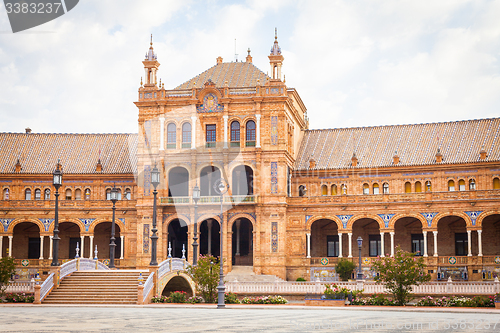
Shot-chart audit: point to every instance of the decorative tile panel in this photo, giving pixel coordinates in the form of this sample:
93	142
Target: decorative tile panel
147	133
145	239
5	223
274	235
308	217
147	180
46	223
210	104
274	130
86	223
429	217
386	218
473	216
123	220
274	177
344	219
166	216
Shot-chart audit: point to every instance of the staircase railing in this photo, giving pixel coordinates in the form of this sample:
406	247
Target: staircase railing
147	287
68	268
171	264
47	286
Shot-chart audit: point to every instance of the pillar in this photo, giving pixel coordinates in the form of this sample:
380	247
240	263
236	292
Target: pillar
1	246
435	243
162	142
479	243
10	245
257	134
382	244
340	245
469	245
238	225
82	246
41	247
392	243
50	246
225	130
349	237
91	246
209	239
308	244
425	243
193	132
122	246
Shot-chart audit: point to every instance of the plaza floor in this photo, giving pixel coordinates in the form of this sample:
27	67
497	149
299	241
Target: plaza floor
244	318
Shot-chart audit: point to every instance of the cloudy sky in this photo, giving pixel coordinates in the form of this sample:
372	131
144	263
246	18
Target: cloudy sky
354	63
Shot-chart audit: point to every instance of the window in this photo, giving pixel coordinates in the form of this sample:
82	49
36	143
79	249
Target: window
235	134
332	245
418	187
376	189
407	187
47	194
366	189
186	135
171	136
211	135
108	194
472	185
302	190
27	194
119	194
386	188
461	185
6	194
496	184
324	190
128	194
417	244
428	186
68	194
461	244
250	134
334	189
375	245
87	194
38	194
344	188
451	185
78	194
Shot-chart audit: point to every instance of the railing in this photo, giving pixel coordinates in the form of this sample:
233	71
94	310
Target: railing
90	265
171	264
64	203
68	268
235	199
20	287
147	287
47	286
242	91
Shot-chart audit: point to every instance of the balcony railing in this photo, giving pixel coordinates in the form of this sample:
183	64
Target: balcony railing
235	199
64	203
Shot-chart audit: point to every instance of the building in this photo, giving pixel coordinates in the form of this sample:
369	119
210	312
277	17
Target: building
298	198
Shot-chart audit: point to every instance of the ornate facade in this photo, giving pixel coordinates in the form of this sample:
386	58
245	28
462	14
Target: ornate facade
298	199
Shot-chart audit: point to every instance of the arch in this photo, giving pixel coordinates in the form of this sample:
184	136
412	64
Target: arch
27	194
177	234
178	217
241	241
186	135
209	239
324	217
472	184
385	188
407	187
6	193
128	194
242	185
46	194
418	187
78	194
333	190
324	190
428	186
68	194
240	216
250	133
355	218
108	194
208	176
376	189
167	277
73	220
92	226
466	218
26	240
171	136
302	190
461	185
178	182
38	194
397	217
451	185
235	133
12	224
496	183
102	238
366	188
483	215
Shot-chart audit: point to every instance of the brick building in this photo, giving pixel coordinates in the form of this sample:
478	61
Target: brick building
298	198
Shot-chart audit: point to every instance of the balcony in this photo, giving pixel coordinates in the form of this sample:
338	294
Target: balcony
210	200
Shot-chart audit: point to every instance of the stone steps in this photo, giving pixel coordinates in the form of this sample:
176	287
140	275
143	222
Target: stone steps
246	274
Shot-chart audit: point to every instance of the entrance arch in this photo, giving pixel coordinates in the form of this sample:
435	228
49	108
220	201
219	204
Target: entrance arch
187	284
369	230
409	236
242	242
26	241
491	235
102	238
178	182
242	180
324	238
177	236
208	176
210	237
452	236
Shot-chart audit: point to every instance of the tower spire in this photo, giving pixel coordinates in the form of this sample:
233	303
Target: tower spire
275	58
151	65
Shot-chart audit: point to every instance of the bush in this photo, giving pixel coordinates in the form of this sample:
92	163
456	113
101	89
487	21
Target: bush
7	268
455	301
177	297
159	299
206	276
231	298
194	299
20	298
335	292
264	300
300	279
344	269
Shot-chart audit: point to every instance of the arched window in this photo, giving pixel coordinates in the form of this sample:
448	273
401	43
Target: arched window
171	136
27	194
386	188
87	194
472	185
407	187
302	190
119	196
250	134
334	189
108	194
78	194
324	190
451	185
366	189
47	194
235	134
343	187
428	186
418	187
128	194
496	183
6	194
68	194
461	185
186	135
376	189
38	194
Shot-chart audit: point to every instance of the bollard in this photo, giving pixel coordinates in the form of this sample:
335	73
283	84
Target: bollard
37	294
140	294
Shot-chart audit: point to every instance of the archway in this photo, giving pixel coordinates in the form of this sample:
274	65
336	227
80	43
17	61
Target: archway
210	237
242	242
242	180
177	283
178	182
324	238
102	238
69	234
178	237
26	241
490	235
369	231
408	235
452	237
208	176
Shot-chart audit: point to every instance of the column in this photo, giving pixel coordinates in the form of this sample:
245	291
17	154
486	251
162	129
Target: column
349	238
308	241
122	238
82	245
435	243
41	247
340	245
238	225
193	132
10	245
479	243
162	141
257	144
50	246
469	245
382	244
1	246
225	130
91	246
392	243
209	226
425	243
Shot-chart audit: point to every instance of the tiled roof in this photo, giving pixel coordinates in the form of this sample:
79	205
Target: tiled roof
237	75
79	153
459	142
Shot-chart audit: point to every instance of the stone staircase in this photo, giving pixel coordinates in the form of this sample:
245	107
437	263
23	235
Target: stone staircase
97	287
246	274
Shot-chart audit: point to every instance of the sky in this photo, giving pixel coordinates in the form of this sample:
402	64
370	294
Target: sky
353	62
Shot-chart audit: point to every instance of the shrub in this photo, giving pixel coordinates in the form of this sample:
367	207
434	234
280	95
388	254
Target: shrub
497	297
7	268
231	298
300	279
477	301
206	276
177	297
20	298
344	268
159	299
335	292
264	300
194	299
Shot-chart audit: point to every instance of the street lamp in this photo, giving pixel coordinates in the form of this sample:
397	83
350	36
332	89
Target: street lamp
360	243
196	197
221	188
57	182
155	180
112	245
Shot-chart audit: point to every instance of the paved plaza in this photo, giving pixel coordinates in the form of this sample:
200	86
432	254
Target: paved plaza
291	318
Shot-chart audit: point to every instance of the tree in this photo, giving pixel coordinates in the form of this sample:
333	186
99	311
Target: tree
344	269
7	268
400	273
206	276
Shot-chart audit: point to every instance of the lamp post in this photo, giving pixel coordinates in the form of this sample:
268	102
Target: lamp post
196	197
360	243
155	180
221	188
57	182
112	245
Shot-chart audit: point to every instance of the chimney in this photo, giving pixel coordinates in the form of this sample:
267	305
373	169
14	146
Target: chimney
483	153
439	156
99	166
18	166
249	57
28	130
395	158
354	160
312	163
219	60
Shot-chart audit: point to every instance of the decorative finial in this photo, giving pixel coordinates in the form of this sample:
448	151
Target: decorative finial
151	40
248	51
160	82
275	33
141	81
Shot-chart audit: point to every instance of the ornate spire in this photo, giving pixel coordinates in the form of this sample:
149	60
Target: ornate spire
276	49
151	55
